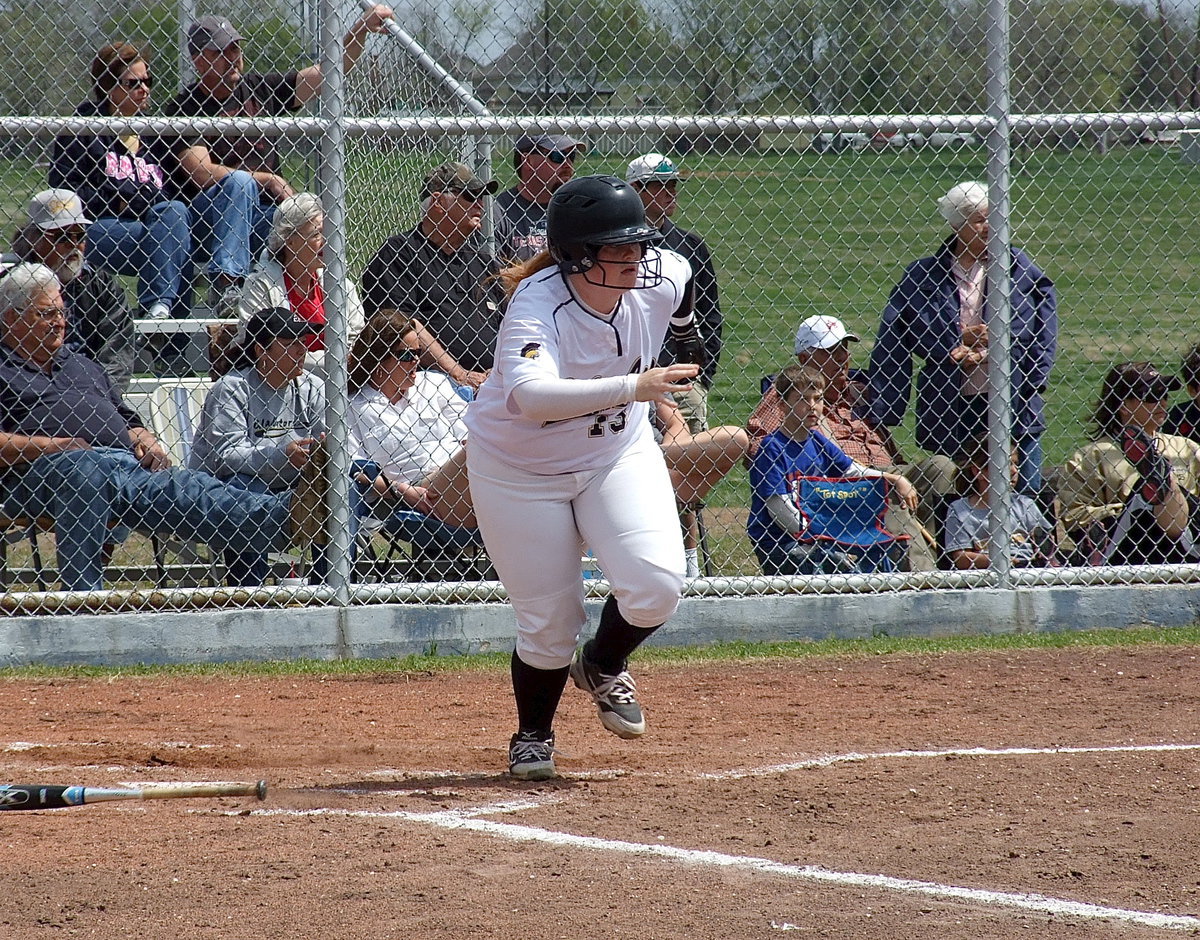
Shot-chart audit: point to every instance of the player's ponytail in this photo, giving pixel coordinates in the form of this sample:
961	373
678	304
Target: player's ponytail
513	275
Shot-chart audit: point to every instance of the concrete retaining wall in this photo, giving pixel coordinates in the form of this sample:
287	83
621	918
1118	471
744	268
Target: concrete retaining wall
403	629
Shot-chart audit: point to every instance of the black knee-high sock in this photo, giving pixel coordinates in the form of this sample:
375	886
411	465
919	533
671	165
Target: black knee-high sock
537	692
615	639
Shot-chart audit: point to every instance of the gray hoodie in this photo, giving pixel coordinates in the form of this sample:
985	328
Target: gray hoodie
246	426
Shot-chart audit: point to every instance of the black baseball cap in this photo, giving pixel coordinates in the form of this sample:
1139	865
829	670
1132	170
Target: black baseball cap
1142	381
277	323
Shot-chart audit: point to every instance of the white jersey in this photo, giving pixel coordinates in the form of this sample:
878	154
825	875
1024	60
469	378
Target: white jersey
546	333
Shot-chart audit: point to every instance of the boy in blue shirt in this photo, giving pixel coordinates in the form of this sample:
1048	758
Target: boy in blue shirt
798	449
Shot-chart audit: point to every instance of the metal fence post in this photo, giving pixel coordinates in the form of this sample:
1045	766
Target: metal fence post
331	185
998	293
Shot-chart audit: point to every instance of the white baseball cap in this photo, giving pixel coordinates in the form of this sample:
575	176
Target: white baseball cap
53	209
651	166
822	332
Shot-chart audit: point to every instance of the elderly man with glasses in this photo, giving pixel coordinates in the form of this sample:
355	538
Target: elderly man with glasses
73	451
441	273
99	320
543	163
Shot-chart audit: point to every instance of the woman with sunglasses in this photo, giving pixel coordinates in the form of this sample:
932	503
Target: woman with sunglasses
407	423
136	230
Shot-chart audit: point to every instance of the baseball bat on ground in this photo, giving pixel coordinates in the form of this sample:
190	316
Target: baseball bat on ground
15	796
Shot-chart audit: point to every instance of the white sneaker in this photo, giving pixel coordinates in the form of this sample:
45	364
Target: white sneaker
158	311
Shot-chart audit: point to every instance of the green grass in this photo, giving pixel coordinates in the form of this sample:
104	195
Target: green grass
419	666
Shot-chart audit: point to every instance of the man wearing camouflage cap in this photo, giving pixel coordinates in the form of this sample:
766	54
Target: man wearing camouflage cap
441	272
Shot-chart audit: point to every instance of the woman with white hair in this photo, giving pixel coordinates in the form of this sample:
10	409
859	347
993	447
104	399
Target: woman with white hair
289	274
938	312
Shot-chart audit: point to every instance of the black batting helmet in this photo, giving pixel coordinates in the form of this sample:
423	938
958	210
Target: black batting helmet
589	212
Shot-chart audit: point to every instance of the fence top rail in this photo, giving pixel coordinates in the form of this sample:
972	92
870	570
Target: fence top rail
47	126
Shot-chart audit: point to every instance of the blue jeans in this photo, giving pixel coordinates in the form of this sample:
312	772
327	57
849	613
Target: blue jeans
155	250
231	224
84	491
1029	463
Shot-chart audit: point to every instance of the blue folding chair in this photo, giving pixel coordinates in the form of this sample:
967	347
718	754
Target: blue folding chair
435	551
841	530
843	522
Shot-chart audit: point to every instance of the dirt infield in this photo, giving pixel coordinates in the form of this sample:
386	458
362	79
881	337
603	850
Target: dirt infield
1051	794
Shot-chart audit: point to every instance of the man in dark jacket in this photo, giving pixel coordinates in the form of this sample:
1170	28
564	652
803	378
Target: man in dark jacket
99	321
656	179
440	273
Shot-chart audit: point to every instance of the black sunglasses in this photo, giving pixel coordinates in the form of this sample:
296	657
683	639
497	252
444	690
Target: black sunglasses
131	83
559	156
67	236
406	355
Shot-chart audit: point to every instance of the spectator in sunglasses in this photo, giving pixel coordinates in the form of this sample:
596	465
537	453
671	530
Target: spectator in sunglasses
406	425
99	321
442	273
137	230
543	163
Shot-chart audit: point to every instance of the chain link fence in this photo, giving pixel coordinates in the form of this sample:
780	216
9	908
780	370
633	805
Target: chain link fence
834	164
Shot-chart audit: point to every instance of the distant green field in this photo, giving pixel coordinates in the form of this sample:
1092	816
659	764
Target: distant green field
796	234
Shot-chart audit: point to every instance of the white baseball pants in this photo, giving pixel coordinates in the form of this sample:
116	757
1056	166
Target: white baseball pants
534	527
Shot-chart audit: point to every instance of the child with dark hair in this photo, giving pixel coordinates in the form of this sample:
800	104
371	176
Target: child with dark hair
967	542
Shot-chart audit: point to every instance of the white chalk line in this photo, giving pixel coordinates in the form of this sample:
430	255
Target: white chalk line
448	777
469	820
852	757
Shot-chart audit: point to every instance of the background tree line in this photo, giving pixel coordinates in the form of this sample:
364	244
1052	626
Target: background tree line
683	56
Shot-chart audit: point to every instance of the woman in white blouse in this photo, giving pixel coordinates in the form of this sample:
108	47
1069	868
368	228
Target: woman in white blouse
408	422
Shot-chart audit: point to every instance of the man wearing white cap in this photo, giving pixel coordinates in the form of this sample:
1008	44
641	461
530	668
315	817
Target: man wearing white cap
823	343
99	321
233	183
543	162
656	179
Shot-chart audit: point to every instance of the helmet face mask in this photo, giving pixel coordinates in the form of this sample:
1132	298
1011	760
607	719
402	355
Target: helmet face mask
592	212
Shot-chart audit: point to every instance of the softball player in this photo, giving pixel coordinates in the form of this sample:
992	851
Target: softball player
561	453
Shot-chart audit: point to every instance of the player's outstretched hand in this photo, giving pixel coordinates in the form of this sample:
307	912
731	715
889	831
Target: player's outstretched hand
658	384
